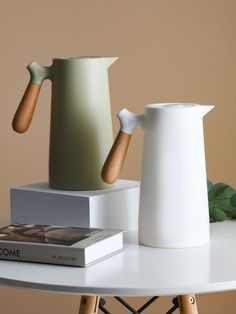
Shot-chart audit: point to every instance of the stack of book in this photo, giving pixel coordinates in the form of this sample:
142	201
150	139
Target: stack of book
57	244
76	228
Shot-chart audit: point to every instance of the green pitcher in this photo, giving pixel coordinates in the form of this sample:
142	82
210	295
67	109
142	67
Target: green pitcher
81	127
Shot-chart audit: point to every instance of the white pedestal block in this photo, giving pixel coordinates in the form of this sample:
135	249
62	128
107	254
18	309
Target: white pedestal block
115	207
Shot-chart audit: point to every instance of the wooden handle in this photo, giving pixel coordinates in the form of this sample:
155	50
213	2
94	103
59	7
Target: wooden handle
25	111
89	304
114	162
187	304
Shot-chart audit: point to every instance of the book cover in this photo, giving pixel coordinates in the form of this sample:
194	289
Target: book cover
58	244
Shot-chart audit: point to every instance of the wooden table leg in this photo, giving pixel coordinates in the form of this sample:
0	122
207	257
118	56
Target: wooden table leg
89	304
187	304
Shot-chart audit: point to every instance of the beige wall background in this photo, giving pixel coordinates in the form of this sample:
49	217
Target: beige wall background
181	50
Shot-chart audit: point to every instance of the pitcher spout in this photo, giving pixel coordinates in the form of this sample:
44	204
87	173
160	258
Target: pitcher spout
110	61
204	109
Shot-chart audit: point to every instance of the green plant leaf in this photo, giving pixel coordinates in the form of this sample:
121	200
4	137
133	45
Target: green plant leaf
209	185
222	203
212	220
233	200
219	215
228	192
220	190
230	213
211	209
216	190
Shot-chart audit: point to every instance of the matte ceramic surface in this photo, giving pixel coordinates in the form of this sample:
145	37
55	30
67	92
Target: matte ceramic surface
139	270
173	209
81	128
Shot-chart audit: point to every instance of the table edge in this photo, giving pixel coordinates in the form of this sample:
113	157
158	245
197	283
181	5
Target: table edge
129	292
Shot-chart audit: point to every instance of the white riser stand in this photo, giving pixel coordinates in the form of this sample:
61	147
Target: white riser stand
115	207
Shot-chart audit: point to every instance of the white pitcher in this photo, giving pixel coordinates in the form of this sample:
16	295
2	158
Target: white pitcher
173	210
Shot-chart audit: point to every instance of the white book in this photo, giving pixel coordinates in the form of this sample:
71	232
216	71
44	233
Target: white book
58	244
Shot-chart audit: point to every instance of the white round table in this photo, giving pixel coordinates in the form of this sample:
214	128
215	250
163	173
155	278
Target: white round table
139	270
